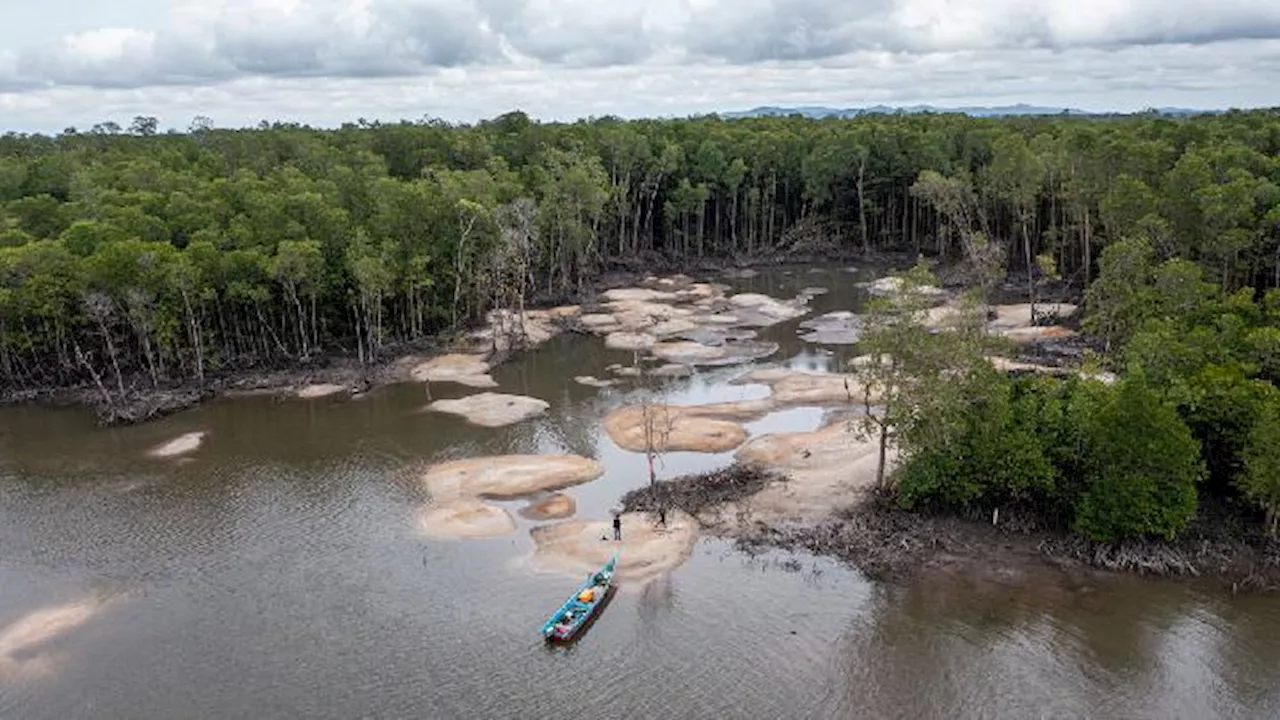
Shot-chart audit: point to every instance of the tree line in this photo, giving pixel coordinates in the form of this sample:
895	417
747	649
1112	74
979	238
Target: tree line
1193	418
132	256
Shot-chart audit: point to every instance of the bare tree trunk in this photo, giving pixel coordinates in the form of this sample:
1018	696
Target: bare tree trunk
862	204
111	351
884	444
1031	271
97	380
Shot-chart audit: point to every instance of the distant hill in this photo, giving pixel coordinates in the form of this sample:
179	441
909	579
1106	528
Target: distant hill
974	111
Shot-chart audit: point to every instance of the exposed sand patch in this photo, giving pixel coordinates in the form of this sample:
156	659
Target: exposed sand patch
647	549
469	370
717	335
1018	315
1007	365
465	518
181	445
492	409
836	328
644	295
755	310
671	370
687	353
592	381
683	352
674	326
740	273
506	328
508	476
1015	322
685	428
716	319
457	489
552	507
799	388
829	468
892	284
624	371
24	650
1029	335
601	323
634	341
674	431
814	291
320	390
700	291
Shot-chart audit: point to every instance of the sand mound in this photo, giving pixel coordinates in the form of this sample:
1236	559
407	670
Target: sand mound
716	319
592	381
671	371
687	353
1015	322
553	507
798	388
829	469
647	550
492	409
634	341
672	327
892	284
718	335
837	328
320	390
465	518
621	295
508	476
180	445
27	645
469	370
683	352
757	310
689	428
506	328
1029	335
601	323
1018	315
673	431
814	291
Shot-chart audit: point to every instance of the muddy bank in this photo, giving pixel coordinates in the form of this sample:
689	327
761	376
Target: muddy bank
891	543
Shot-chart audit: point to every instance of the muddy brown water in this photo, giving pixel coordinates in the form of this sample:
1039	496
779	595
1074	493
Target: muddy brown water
279	572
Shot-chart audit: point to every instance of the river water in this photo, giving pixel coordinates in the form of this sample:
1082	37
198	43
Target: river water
280	572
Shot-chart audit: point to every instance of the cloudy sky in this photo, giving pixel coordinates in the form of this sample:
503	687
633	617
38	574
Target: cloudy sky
77	62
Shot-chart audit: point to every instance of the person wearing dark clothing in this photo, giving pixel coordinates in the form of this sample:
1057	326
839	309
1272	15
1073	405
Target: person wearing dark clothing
662	515
617	527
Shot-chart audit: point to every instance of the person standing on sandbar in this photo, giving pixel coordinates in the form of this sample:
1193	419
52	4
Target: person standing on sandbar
617	527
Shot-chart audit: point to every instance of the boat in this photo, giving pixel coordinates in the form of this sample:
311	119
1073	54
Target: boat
565	623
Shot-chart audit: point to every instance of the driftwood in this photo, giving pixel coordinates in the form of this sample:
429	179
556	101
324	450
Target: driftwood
695	494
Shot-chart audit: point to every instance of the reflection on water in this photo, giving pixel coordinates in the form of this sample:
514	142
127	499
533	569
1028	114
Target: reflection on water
279	573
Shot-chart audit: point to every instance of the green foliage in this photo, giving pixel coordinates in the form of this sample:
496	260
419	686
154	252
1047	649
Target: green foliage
1117	301
1260	482
1141	466
982	453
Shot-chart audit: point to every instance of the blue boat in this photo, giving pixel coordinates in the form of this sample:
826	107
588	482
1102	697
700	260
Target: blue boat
574	614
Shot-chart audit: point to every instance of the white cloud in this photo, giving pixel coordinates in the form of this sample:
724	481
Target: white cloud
634	55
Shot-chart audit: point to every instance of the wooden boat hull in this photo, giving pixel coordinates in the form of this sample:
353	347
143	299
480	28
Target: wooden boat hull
559	629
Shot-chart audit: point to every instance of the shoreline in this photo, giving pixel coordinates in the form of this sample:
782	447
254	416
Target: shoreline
143	403
894	545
